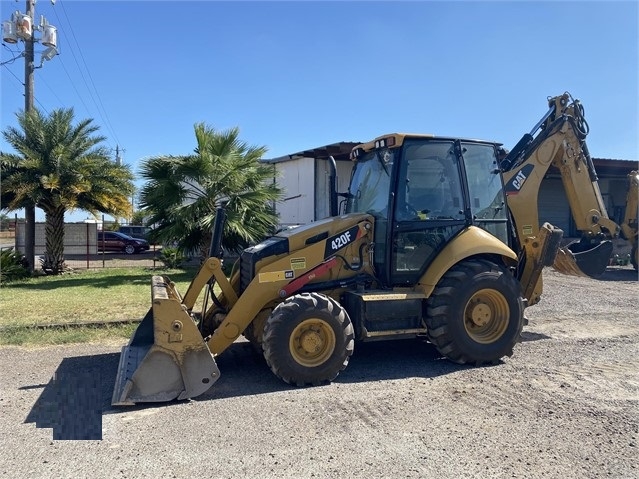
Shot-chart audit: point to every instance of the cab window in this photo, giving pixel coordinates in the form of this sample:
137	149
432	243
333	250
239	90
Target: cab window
485	188
429	186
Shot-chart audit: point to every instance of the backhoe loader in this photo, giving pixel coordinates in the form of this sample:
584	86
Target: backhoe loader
437	237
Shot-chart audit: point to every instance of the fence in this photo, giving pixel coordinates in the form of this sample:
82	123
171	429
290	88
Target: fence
81	248
148	259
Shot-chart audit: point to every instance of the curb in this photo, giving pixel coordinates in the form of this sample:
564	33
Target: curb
87	324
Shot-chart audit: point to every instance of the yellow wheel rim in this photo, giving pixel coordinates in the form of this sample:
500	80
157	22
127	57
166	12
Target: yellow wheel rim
312	342
486	316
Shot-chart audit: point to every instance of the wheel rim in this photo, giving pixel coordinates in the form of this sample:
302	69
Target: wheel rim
486	316
312	342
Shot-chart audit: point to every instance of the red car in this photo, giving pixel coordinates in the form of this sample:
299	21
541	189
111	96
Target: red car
115	241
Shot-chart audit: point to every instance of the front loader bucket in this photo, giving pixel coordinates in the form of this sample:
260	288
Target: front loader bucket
577	260
167	357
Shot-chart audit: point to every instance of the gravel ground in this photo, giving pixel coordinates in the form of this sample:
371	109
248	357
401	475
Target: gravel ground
565	406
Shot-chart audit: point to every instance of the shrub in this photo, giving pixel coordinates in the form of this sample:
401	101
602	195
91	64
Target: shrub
172	257
13	265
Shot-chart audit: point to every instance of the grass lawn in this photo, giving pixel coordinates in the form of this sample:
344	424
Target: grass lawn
92	295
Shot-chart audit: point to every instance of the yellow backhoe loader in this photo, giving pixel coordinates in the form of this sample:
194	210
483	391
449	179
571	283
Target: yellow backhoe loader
437	237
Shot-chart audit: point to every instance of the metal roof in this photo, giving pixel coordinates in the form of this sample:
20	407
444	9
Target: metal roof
614	167
341	152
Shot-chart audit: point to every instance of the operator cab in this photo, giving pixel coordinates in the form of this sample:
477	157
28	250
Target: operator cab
423	191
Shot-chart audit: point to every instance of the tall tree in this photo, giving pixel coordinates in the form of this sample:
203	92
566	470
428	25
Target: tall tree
61	167
183	192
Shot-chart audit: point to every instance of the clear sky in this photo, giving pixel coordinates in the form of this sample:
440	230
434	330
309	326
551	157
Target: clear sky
297	75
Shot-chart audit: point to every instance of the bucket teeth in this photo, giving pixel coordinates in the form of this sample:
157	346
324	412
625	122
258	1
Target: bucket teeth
565	263
576	260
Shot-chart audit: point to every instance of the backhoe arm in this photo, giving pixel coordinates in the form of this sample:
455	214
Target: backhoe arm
560	142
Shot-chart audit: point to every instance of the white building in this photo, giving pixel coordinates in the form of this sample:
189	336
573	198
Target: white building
305	178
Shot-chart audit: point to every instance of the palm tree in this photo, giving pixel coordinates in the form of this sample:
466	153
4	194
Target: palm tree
183	192
61	167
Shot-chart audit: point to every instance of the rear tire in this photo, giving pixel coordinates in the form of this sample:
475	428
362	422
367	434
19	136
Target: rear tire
633	258
308	339
476	313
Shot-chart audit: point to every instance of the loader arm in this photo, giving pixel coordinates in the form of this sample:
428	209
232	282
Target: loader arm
211	268
317	257
560	142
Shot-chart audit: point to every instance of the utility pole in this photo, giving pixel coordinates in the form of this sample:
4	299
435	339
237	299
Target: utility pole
29	211
22	28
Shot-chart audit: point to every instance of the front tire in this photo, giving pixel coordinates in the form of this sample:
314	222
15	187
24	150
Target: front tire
476	313
129	249
254	332
308	339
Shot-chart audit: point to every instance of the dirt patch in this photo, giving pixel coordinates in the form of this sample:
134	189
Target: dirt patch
565	405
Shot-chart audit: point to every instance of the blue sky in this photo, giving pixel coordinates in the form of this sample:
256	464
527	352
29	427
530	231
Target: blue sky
297	75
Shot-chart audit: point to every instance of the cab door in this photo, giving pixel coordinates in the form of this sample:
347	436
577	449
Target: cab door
430	206
485	189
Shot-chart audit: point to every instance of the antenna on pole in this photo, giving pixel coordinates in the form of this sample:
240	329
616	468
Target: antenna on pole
118	157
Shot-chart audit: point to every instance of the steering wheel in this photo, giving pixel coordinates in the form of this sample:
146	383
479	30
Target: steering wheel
409	212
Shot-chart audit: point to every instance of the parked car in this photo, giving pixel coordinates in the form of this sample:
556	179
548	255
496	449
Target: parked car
116	241
135	231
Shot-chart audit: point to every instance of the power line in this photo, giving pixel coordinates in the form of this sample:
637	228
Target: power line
14	75
53	92
72	83
97	93
16	55
100	107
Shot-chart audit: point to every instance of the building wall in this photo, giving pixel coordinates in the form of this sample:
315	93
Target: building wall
79	238
323	186
614	192
553	205
554	208
297	179
306	185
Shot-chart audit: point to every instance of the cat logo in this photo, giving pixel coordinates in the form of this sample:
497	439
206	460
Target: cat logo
274	276
515	185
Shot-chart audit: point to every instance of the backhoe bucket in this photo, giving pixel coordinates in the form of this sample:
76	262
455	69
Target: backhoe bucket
167	357
577	260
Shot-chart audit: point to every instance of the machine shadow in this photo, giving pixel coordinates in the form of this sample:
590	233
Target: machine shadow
245	372
72	402
619	274
79	394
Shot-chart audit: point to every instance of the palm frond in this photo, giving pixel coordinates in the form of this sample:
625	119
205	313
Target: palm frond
61	167
182	193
